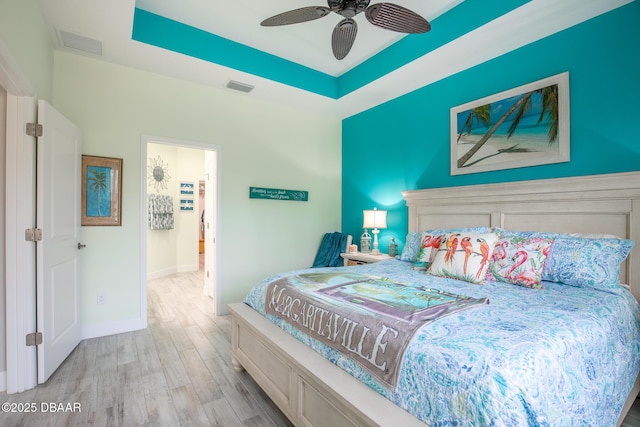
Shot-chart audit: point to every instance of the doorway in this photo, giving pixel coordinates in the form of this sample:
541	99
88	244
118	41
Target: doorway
174	224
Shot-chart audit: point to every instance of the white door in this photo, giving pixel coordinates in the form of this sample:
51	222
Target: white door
209	224
58	216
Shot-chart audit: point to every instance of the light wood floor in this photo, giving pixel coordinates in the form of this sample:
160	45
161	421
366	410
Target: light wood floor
177	372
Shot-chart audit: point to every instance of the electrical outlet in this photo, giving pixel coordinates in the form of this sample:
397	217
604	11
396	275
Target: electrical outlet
102	299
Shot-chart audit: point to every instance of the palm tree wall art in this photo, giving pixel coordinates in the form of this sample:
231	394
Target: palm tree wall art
524	126
101	190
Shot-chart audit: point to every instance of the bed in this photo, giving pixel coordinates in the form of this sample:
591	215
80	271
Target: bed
311	390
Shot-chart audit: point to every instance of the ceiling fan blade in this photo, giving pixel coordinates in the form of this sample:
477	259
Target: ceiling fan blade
344	34
396	18
296	16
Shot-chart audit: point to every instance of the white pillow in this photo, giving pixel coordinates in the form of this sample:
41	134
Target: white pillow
464	256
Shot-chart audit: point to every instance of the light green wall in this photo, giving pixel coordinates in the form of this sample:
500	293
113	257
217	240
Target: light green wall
176	250
24	33
262	144
162	246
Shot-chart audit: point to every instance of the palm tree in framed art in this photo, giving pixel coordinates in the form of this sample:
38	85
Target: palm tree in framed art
545	103
98	184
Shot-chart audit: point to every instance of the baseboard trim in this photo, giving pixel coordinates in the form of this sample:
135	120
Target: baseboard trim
111	328
161	273
188	268
172	270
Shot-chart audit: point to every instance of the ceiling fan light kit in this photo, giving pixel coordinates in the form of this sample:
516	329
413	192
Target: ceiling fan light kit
388	16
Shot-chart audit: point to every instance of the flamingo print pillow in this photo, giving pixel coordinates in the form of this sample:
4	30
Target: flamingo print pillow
464	256
519	260
429	245
413	249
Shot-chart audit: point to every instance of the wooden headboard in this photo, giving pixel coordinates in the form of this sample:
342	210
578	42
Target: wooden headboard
601	204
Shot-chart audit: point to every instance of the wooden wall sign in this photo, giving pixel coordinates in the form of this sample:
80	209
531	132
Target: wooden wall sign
278	194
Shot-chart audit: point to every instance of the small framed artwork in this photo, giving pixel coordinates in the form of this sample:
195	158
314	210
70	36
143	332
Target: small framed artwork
101	191
524	126
186	188
186	204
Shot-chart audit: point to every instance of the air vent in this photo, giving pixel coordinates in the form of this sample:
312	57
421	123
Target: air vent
81	43
242	87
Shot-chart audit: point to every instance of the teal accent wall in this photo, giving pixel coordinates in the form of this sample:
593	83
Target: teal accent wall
404	143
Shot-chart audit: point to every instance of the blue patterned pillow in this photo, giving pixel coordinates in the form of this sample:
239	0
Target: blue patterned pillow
585	262
411	247
508	234
413	243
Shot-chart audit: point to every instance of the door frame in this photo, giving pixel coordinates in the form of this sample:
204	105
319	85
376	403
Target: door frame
144	140
20	255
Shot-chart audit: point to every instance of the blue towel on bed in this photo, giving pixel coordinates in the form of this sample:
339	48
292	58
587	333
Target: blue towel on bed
329	253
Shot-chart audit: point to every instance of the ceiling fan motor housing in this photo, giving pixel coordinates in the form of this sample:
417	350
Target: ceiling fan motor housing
348	8
388	16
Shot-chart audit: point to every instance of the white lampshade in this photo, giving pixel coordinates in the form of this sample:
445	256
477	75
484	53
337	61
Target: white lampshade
375	219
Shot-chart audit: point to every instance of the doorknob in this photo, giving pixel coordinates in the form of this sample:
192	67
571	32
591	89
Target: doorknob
80	246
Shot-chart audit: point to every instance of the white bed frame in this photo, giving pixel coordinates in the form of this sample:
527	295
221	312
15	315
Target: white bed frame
313	392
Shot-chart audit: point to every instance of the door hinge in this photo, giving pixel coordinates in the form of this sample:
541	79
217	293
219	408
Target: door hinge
34	338
34	129
33	234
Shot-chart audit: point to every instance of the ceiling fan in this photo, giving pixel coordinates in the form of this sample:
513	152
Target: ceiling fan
384	15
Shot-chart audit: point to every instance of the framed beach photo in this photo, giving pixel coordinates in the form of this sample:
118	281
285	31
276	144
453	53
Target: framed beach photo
101	191
524	126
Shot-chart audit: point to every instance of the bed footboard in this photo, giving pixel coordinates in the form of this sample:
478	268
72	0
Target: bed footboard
308	389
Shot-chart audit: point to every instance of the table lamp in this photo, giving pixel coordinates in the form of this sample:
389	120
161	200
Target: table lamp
374	219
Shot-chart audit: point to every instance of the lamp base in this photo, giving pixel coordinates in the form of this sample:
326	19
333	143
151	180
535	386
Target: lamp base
375	250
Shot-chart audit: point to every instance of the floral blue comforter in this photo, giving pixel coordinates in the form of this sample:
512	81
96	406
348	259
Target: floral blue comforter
562	356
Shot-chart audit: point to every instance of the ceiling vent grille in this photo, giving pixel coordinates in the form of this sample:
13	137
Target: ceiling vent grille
242	87
81	43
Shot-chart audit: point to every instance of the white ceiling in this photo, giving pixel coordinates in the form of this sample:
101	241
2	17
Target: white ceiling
309	44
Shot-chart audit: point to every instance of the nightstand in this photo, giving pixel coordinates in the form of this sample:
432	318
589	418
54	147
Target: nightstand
357	258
